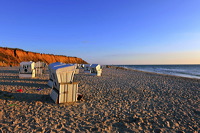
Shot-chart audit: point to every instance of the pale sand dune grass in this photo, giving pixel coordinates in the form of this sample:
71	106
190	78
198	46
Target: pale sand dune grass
118	101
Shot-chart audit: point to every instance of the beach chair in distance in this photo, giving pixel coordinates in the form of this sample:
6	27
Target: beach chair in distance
82	66
27	70
39	68
96	70
87	68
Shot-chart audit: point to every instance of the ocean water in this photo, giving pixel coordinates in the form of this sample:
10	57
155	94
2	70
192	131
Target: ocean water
190	71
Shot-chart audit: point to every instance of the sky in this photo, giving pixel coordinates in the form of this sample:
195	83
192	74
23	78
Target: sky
105	31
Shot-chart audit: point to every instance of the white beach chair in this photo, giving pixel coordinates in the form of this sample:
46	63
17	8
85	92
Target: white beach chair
96	69
64	89
27	69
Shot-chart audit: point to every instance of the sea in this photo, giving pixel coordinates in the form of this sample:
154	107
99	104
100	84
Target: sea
190	71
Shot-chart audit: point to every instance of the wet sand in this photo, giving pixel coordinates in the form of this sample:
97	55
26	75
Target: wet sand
118	101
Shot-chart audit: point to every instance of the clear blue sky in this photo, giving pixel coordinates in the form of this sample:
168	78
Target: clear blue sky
105	31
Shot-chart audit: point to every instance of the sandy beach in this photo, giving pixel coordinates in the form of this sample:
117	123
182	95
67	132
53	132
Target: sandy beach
118	101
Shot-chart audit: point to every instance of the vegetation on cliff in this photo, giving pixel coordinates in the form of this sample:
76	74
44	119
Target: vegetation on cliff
13	56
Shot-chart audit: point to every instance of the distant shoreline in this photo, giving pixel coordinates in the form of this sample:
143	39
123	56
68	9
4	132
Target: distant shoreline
168	74
131	69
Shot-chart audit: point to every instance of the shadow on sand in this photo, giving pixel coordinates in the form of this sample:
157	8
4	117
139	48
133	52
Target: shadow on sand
26	97
16	81
22	79
42	86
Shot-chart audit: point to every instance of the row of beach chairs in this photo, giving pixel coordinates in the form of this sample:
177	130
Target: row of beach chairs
60	78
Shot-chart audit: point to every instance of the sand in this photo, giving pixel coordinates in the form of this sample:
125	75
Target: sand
118	101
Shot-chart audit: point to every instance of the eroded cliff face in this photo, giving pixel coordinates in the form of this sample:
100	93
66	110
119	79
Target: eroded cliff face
10	56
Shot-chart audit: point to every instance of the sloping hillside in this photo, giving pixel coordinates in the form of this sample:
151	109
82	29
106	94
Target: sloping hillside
13	56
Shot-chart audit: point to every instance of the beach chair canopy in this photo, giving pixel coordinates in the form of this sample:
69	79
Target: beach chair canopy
63	73
55	64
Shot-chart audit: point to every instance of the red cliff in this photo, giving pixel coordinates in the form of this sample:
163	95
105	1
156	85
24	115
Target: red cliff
13	56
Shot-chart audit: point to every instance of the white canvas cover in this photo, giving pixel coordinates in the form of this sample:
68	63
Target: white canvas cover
51	77
53	65
63	74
